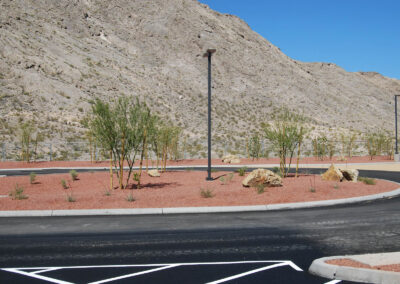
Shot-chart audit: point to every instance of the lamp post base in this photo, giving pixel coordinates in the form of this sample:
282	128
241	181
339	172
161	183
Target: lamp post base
397	157
209	178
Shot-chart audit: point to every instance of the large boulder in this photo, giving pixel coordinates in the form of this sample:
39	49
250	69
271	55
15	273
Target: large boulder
350	175
231	159
153	173
333	174
264	177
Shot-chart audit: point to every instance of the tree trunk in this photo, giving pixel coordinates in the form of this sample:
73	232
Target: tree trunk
141	159
121	162
111	171
298	159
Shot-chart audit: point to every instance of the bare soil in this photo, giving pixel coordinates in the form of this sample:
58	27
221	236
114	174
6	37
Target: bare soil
192	162
353	263
172	189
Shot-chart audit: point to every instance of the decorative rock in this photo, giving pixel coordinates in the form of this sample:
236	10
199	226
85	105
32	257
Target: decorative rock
153	173
231	159
262	176
333	174
350	175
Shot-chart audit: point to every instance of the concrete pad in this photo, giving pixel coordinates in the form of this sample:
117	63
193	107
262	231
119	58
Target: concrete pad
378	259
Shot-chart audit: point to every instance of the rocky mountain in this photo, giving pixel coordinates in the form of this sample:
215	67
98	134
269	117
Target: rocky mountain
56	57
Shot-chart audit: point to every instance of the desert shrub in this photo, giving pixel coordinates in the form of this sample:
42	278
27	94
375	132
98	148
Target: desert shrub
64	184
74	174
18	193
222	180
107	192
206	193
70	198
32	177
255	146
285	135
130	198
320	147
242	171
260	188
367	180
229	177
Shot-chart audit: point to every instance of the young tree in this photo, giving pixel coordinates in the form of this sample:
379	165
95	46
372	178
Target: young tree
103	127
285	134
254	146
26	131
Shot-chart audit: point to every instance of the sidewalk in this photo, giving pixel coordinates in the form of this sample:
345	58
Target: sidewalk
368	268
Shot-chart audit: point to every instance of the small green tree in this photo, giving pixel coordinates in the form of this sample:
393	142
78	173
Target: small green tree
254	146
26	131
285	134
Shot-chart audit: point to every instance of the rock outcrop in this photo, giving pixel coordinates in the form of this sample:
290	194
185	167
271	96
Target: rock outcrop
231	159
350	174
153	173
332	174
262	177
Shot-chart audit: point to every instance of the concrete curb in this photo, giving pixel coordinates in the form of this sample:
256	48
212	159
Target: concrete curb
320	268
197	210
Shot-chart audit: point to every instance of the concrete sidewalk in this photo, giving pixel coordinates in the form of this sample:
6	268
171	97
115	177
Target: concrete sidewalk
369	274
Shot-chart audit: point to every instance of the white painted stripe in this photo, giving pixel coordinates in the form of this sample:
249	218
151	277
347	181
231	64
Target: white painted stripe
2	176
44	270
333	282
41	277
133	274
163	264
247	273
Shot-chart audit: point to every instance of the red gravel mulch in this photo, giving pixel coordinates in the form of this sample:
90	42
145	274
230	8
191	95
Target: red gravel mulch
356	264
172	189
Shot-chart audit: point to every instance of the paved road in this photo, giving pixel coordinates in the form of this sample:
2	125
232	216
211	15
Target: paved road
204	248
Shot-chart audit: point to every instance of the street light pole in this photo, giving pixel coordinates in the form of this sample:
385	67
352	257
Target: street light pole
208	54
396	155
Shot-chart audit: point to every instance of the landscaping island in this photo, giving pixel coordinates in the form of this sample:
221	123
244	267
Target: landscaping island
186	188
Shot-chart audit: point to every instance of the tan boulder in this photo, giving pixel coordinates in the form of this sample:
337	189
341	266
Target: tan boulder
262	176
153	173
231	159
332	174
350	174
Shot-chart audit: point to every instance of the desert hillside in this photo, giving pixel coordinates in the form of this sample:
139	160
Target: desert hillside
56	57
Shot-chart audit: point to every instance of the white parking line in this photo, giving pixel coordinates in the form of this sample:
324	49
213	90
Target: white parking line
156	267
247	273
133	274
41	277
333	282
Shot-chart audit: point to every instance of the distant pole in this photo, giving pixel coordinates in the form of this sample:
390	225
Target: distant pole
396	156
208	54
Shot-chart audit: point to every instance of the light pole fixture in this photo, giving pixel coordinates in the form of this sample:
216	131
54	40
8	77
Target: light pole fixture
208	54
396	155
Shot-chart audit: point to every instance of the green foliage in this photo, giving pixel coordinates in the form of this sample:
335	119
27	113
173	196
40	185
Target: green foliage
229	177
348	145
26	131
242	171
130	198
107	192
64	184
255	146
74	174
32	177
378	143
206	193
136	177
222	180
336	186
367	180
285	134
260	188
18	193
320	147
70	198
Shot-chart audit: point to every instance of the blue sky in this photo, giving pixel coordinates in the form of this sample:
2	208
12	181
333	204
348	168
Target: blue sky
358	35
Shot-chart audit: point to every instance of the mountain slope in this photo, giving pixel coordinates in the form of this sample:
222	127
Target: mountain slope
57	56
